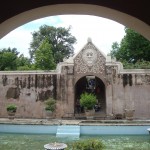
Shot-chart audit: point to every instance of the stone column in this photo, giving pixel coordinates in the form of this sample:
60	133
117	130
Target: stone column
70	94
109	100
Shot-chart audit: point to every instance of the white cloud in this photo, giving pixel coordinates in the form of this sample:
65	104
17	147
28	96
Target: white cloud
103	32
19	39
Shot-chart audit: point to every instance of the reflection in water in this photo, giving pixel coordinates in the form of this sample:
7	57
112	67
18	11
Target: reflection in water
37	141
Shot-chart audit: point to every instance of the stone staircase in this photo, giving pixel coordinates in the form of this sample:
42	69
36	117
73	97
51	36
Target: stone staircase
72	131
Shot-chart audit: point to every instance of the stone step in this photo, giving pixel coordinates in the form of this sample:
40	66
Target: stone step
68	131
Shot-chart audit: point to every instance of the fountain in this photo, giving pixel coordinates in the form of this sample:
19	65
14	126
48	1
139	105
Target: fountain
55	146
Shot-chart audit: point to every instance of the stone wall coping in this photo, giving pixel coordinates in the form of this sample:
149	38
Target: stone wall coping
121	71
28	72
135	71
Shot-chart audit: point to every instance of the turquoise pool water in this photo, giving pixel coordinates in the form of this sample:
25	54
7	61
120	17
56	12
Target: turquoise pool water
37	141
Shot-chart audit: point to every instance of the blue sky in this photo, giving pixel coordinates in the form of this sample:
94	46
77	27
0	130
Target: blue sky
102	31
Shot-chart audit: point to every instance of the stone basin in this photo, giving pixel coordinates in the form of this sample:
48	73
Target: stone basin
55	146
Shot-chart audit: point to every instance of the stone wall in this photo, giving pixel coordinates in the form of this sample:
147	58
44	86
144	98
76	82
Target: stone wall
28	90
129	89
125	89
65	91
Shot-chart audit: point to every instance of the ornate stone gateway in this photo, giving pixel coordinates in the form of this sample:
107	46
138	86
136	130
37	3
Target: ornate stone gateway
89	66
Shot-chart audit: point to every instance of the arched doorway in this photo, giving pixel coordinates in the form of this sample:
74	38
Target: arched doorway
90	84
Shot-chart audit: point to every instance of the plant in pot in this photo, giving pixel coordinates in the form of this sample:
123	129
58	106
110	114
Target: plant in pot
50	106
11	110
88	101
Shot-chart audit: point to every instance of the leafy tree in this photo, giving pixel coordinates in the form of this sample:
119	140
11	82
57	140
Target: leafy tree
23	63
43	56
60	39
8	59
133	47
115	49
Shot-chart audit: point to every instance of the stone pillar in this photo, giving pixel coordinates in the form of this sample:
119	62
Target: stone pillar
109	100
70	94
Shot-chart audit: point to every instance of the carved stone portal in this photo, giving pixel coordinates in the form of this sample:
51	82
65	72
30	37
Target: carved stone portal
90	60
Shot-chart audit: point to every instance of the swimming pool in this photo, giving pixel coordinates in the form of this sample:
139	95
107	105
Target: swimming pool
34	137
84	129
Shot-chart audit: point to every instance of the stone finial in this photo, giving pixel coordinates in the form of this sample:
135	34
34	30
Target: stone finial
89	40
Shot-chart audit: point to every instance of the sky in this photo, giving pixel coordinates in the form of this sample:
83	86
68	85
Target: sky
103	32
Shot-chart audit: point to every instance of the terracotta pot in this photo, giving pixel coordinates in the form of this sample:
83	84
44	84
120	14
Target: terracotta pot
11	115
49	115
89	114
129	113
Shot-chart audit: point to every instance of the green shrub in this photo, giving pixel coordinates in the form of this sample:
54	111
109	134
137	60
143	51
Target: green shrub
50	104
141	64
88	144
88	100
11	108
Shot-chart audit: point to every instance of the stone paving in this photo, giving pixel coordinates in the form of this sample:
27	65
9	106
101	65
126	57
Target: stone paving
72	122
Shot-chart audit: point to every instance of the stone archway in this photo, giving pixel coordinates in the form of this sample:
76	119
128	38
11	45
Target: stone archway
59	9
90	84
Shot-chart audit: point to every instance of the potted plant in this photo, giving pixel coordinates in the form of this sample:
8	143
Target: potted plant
88	101
11	110
50	106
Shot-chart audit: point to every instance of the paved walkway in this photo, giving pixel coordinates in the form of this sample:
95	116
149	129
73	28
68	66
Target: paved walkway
72	122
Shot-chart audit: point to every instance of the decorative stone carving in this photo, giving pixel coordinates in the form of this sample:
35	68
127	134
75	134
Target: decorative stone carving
89	56
108	69
90	60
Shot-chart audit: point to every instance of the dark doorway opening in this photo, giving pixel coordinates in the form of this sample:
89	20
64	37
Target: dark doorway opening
90	84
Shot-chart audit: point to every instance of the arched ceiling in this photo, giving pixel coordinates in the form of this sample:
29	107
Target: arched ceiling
138	9
11	9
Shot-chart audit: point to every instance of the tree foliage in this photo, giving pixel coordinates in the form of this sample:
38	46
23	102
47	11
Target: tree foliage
49	46
23	63
43	56
10	60
60	39
133	49
142	64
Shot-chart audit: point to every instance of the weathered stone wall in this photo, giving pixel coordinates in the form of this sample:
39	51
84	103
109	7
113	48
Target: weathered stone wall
28	91
65	92
131	90
124	89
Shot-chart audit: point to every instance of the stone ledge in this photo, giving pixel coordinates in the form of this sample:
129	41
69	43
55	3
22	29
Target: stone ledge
75	122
